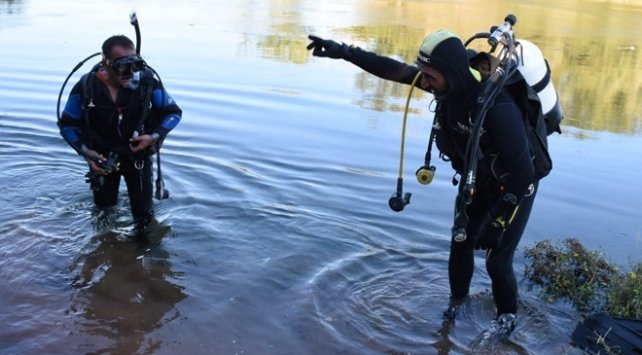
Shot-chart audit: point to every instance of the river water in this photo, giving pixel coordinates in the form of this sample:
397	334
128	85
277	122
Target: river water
281	238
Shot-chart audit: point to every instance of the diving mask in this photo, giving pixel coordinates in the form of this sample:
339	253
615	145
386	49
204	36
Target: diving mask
127	66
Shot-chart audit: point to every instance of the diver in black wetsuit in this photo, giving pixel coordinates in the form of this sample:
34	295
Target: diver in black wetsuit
115	117
506	180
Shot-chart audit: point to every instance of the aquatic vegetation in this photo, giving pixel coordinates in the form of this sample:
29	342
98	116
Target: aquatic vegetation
625	297
584	277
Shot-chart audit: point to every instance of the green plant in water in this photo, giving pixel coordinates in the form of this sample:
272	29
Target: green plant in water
625	298
585	278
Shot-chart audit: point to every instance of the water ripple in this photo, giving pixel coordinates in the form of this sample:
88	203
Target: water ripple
281	237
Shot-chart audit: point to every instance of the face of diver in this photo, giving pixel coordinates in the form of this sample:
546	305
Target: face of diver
120	78
433	81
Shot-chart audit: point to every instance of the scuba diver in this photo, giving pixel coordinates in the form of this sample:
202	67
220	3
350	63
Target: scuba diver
116	117
493	215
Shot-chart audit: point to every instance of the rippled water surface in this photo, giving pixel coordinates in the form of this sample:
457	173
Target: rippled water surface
277	237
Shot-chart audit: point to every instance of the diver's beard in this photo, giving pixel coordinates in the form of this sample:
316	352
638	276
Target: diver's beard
434	93
125	81
440	95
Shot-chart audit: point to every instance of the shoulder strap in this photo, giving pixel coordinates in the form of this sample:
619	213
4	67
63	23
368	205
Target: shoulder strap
87	84
146	89
485	63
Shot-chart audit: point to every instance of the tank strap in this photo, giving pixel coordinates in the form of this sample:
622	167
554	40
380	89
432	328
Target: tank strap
147	96
88	101
540	85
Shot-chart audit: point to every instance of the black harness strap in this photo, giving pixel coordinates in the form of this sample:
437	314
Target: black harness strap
88	100
148	90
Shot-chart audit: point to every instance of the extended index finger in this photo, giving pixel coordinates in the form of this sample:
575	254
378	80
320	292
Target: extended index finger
315	41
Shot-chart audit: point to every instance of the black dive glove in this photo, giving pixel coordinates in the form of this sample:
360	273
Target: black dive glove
329	48
491	234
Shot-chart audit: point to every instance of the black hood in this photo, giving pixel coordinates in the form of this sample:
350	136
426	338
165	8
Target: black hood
445	52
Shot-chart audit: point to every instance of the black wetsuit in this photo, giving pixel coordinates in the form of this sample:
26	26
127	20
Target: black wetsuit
504	144
110	126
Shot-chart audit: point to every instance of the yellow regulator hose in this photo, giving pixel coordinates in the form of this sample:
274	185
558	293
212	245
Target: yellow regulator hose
405	119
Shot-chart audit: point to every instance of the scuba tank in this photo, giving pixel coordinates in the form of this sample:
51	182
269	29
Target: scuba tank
535	70
514	56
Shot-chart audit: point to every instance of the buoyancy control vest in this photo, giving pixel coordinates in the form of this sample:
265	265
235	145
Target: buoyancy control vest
142	92
538	125
515	72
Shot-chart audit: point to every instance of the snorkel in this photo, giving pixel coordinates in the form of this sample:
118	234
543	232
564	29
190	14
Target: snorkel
133	19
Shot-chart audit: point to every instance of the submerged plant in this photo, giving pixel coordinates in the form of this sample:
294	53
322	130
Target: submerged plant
585	278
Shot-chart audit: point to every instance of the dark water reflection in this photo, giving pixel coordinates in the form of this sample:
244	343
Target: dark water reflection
281	239
123	291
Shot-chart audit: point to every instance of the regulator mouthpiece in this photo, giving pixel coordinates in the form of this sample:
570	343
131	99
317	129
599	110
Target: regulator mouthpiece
397	202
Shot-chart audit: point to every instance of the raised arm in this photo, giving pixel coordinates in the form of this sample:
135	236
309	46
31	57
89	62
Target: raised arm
383	67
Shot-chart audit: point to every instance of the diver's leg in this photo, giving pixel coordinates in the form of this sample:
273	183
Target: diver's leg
461	262
106	194
499	262
140	189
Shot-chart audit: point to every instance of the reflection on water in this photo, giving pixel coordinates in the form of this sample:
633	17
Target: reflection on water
607	98
9	9
593	48
124	291
282	240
